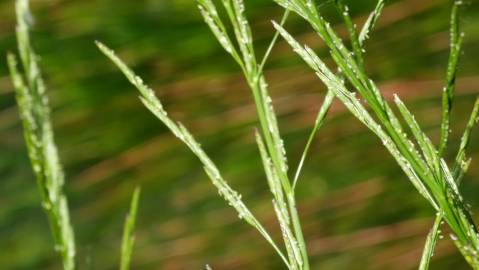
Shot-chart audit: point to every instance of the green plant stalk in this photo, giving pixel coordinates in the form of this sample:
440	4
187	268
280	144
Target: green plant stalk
273	41
371	22
256	82
35	115
431	241
323	111
356	45
350	68
461	161
282	214
289	192
356	42
439	191
128	238
449	89
460	167
258	90
152	103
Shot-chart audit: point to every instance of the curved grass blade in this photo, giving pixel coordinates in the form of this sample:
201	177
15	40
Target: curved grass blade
147	96
128	239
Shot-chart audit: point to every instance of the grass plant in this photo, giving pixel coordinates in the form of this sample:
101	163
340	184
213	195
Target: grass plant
422	160
34	112
240	46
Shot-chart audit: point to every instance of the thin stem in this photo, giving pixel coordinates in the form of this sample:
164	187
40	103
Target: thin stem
34	110
431	241
323	111
371	22
128	232
461	162
449	89
150	101
273	41
437	185
356	45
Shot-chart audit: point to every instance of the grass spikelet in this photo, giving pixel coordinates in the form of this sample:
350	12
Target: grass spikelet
35	115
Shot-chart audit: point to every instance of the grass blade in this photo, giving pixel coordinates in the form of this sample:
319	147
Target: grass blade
449	89
439	188
35	115
323	111
267	117
371	22
350	26
460	167
462	163
128	239
273	41
430	245
147	96
280	207
336	85
428	150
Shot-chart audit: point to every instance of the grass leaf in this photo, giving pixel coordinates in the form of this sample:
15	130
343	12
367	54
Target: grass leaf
128	239
149	99
371	22
449	89
431	241
37	128
439	188
323	111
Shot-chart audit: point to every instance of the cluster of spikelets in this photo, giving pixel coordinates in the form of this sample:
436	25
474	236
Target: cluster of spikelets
415	153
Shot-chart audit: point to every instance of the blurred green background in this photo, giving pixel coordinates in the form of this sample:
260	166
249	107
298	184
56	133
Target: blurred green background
358	209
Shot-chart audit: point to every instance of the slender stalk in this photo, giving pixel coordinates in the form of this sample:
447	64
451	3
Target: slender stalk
273	41
37	128
323	111
267	118
128	239
449	89
460	167
426	170
147	96
371	22
431	241
461	161
355	43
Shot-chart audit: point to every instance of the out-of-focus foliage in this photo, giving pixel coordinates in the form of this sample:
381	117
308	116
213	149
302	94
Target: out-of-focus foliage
358	209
